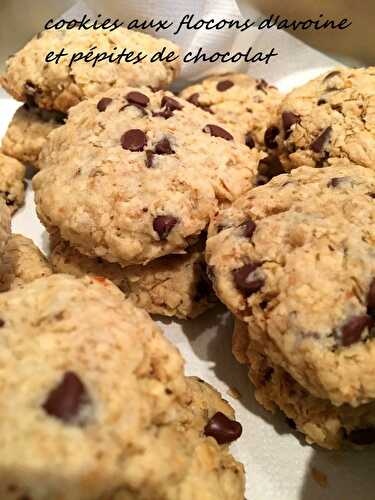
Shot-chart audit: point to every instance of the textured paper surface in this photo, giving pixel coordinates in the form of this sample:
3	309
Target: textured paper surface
278	464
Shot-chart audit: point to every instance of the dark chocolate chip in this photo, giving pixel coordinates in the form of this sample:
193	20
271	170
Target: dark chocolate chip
163	225
223	429
260	180
244	281
352	330
371	299
134	140
249	141
65	400
138	98
261	85
289	118
270	167
321	101
149	158
371	195
103	103
334	182
171	103
194	99
362	436
217	131
318	144
2	323
224	85
248	228
163	147
270	135
337	107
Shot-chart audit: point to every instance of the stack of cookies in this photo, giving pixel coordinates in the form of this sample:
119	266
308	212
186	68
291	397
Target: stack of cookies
294	260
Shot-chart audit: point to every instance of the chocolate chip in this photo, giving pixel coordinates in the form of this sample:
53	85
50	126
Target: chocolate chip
371	195
163	225
248	228
223	429
244	280
103	103
352	330
217	131
321	101
334	182
224	85
362	436
260	180
249	141
65	400
134	140
269	137
371	299
289	118
318	144
194	99
337	107
2	323
261	85
171	103
138	98
163	147
331	75
270	167
149	158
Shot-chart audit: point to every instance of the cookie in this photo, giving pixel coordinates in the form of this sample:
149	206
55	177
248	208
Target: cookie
4	226
58	86
22	263
134	175
319	420
174	285
331	117
92	378
28	131
295	259
12	187
241	102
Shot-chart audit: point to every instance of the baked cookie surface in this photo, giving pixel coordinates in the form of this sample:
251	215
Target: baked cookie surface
28	131
22	263
295	259
135	175
59	87
174	285
331	117
12	187
318	419
98	397
241	102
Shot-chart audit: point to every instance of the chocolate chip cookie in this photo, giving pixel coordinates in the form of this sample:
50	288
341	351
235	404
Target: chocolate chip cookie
318	419
174	285
98	398
22	263
295	259
331	117
28	131
12	187
58	86
134	175
241	102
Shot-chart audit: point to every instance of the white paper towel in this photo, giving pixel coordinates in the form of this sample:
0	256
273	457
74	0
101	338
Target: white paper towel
278	464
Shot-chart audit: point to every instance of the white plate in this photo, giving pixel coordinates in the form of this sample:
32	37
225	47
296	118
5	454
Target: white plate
278	463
